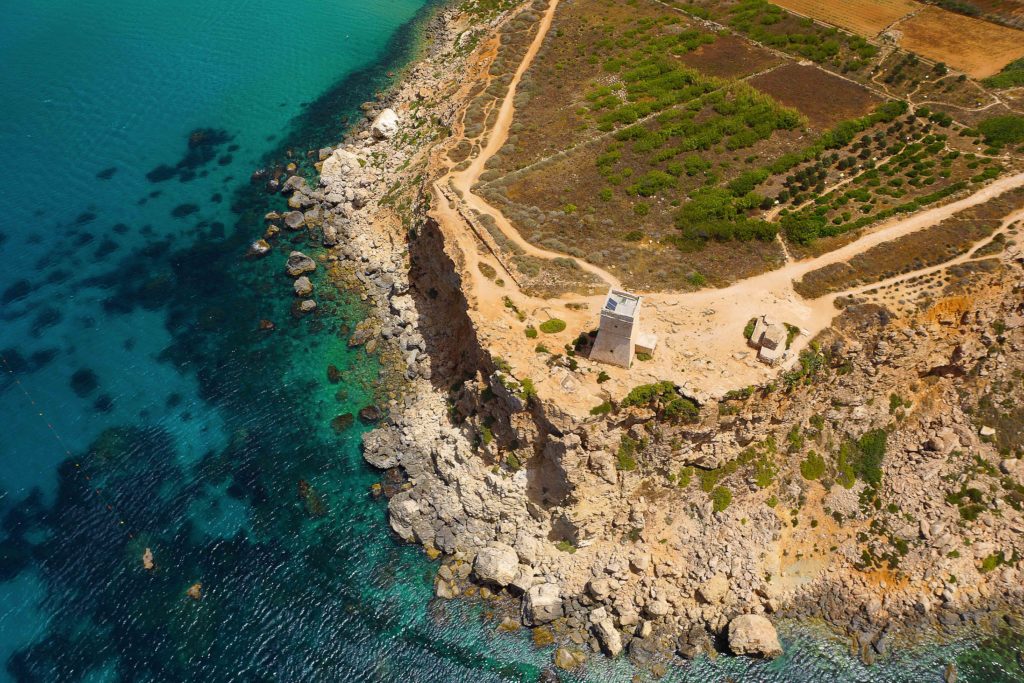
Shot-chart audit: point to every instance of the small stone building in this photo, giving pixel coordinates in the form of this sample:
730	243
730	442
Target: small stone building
619	337
769	338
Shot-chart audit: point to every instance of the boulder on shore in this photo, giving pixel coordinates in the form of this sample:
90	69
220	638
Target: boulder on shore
753	634
496	563
385	125
542	604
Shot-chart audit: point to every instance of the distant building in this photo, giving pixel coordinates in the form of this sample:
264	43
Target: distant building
769	338
619	337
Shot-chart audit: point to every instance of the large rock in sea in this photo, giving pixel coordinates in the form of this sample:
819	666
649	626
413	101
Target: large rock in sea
542	604
298	263
385	125
753	634
294	219
496	563
302	286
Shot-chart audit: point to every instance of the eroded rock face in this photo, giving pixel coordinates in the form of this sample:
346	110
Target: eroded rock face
752	634
381	448
542	604
497	563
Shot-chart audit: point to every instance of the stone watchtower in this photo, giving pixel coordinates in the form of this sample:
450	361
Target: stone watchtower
619	337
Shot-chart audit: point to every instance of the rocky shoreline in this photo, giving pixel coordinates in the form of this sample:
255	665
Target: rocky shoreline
520	501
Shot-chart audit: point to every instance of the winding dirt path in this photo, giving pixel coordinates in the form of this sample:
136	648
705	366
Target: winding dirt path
463	181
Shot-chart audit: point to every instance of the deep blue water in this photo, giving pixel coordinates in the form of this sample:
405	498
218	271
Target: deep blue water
144	407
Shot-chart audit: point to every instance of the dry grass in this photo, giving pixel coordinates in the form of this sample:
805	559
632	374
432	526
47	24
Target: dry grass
932	246
866	17
976	47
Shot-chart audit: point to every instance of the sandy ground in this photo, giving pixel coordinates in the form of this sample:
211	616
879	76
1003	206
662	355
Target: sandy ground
701	346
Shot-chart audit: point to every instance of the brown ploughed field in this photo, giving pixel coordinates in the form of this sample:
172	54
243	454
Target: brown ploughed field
823	98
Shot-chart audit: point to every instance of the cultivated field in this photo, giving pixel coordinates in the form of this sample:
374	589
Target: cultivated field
866	17
730	57
823	98
976	47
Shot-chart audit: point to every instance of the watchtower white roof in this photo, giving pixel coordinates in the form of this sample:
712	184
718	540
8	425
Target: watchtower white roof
621	303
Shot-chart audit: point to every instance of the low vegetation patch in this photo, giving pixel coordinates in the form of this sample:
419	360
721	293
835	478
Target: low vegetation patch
552	326
664	398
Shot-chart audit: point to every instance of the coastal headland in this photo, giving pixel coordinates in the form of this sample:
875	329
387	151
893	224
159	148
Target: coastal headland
872	478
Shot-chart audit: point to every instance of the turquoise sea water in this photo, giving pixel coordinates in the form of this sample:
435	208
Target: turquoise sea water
143	406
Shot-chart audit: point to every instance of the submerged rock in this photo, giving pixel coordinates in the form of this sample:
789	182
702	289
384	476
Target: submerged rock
370	414
752	634
260	247
569	659
294	219
147	560
195	591
342	422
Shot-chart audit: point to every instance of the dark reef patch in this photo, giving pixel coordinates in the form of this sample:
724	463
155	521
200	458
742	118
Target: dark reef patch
84	381
201	150
16	291
46	317
107	173
105	249
182	210
103	403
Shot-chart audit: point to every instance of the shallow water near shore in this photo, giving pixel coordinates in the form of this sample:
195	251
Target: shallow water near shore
145	407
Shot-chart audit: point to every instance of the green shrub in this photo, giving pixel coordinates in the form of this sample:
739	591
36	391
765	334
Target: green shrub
992	561
531	332
664	398
626	455
513	462
765	471
1002	130
871	448
684	477
721	496
603	377
553	326
643	356
566	547
748	330
601	409
812	467
1011	76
